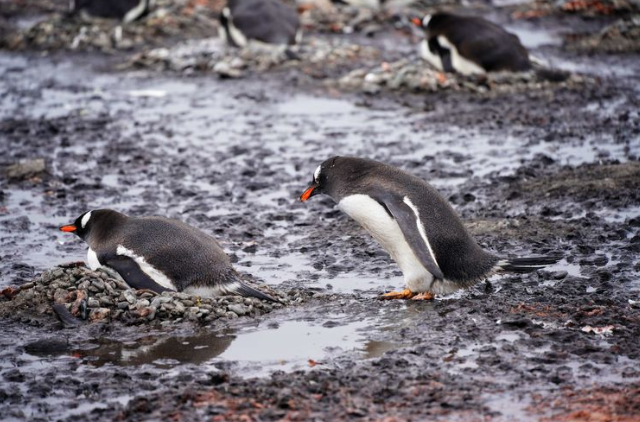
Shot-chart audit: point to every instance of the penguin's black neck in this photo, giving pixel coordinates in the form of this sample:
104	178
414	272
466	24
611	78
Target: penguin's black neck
103	224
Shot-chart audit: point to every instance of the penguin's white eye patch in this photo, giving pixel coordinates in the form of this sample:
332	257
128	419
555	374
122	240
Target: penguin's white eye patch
316	174
85	219
425	21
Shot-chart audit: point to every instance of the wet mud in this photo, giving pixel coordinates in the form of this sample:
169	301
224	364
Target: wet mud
533	170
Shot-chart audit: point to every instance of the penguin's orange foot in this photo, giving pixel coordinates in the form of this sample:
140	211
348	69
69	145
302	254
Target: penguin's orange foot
405	294
423	296
442	78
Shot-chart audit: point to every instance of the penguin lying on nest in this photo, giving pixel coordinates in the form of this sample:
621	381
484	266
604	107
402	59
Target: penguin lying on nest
159	254
124	10
416	226
470	45
268	21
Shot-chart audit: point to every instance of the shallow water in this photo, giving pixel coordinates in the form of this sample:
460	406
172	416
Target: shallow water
258	348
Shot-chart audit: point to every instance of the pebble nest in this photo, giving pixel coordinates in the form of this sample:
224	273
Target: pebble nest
211	55
97	296
417	76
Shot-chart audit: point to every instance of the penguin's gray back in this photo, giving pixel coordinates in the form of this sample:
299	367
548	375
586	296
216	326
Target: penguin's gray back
187	256
459	257
482	42
269	21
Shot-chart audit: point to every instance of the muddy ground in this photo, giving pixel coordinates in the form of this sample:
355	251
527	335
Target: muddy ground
534	171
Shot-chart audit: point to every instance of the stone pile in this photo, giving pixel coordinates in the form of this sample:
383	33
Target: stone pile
417	76
96	295
211	55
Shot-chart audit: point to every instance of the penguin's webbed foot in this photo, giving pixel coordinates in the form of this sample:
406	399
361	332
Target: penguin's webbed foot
404	294
423	296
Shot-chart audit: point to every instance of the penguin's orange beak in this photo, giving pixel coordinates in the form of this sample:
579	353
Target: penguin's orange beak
309	192
417	22
68	228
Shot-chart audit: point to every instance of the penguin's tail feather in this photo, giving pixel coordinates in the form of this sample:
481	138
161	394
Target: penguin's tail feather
546	72
526	265
242	289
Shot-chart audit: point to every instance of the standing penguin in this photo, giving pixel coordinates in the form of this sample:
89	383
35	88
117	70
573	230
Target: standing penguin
268	21
415	224
470	45
125	10
159	254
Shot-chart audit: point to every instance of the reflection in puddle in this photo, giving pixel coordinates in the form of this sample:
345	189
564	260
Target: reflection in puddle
254	351
160	351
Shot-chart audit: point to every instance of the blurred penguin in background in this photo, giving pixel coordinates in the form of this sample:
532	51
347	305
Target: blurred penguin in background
267	21
470	45
124	10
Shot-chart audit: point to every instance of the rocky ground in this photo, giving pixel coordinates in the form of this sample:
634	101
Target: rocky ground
154	128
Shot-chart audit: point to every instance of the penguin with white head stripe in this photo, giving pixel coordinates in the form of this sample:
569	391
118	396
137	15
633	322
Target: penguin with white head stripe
470	45
268	21
414	224
159	254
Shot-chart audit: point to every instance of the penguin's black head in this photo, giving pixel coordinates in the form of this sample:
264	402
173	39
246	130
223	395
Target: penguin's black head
339	176
322	181
434	22
87	221
423	22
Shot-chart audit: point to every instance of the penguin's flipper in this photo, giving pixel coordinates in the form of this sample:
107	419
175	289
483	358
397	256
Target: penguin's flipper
444	53
131	272
407	217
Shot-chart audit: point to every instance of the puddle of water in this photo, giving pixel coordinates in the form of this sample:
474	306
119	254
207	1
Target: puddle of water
510	409
256	350
352	281
620	215
563	265
533	38
314	106
162	352
508	336
291	345
588	66
468	356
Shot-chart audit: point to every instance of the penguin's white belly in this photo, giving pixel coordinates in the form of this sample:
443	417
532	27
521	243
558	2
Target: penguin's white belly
234	33
459	63
434	59
92	260
375	219
135	13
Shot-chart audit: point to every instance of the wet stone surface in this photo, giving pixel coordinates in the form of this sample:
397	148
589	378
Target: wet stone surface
532	171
